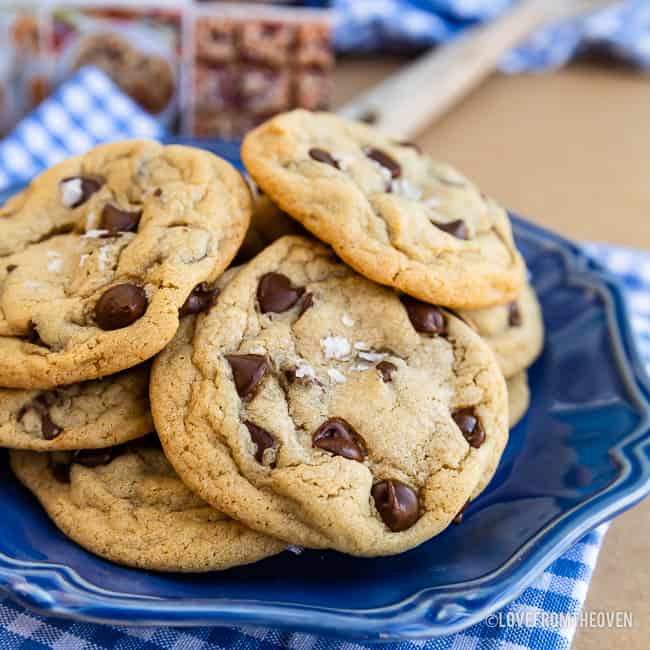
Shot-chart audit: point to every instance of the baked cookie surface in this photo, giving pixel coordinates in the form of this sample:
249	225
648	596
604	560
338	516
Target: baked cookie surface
92	415
390	212
321	408
99	254
128	506
515	331
518	397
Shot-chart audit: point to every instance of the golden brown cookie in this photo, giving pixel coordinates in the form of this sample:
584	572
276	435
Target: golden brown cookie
515	331
92	415
329	411
127	505
101	252
389	211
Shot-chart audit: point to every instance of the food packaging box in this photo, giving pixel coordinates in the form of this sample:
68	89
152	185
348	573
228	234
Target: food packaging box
247	62
138	44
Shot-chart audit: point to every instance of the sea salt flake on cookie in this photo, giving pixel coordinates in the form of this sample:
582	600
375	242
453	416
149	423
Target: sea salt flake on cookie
335	347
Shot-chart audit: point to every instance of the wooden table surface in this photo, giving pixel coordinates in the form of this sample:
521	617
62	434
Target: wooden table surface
569	150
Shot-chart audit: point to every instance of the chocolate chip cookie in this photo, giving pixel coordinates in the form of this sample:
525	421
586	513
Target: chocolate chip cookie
268	223
92	415
101	252
515	331
518	397
127	505
326	410
389	211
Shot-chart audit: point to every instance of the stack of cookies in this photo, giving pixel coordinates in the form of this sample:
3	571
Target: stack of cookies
346	393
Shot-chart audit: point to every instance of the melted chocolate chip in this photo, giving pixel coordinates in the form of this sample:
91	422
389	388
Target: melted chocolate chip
33	336
40	405
200	300
95	457
114	220
262	438
514	315
120	306
425	318
88	187
397	504
275	293
338	437
322	156
158	192
307	302
458	519
61	472
410	145
369	117
456	228
386	368
248	370
49	429
11	268
470	427
385	161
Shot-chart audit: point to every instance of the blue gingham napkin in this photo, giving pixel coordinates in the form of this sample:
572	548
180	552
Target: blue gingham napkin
622	29
89	109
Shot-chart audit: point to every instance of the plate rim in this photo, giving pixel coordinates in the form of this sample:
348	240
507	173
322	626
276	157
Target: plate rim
57	590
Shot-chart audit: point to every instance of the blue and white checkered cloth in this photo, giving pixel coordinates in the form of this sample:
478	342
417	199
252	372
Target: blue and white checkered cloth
622	29
86	110
90	109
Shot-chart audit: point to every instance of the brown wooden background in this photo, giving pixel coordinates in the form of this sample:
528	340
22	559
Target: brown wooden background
570	150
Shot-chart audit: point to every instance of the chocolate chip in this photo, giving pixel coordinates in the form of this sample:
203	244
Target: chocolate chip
275	293
338	437
262	438
322	156
33	336
120	306
514	315
386	368
11	268
456	228
384	160
248	370
61	472
88	187
369	117
410	145
470	427
458	519
307	302
397	504
114	220
158	192
95	457
200	300
425	318
49	429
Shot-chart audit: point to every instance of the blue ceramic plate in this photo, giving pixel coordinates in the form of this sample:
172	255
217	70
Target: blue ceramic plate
579	457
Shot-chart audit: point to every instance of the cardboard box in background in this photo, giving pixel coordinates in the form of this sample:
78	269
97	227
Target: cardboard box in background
205	69
140	48
247	63
23	83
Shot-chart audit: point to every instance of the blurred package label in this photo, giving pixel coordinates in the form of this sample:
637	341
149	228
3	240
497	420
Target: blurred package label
207	69
249	62
22	83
